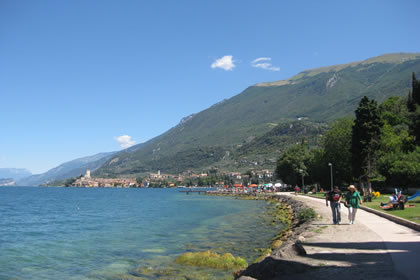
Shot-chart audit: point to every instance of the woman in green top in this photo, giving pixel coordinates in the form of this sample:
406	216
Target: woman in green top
353	201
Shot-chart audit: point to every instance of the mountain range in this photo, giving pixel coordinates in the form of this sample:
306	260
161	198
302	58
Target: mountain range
66	170
251	129
235	133
14	173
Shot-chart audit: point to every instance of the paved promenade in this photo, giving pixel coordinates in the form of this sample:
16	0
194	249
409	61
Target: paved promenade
372	248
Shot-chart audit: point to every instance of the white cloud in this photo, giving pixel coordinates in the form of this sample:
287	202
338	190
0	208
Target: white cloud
261	59
225	63
266	64
125	141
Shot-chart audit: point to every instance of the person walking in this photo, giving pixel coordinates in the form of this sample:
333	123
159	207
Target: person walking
353	201
334	197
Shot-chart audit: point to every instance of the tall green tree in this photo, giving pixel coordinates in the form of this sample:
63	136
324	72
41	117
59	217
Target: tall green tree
413	105
415	89
395	112
398	162
401	169
337	144
415	126
398	158
318	169
366	135
410	101
293	164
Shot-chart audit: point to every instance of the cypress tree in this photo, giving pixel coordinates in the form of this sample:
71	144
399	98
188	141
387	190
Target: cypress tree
416	90
414	129
366	134
413	104
410	102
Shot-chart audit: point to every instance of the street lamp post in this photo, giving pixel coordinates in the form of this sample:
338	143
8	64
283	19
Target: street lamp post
330	165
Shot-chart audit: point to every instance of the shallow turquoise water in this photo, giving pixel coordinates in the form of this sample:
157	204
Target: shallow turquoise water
79	233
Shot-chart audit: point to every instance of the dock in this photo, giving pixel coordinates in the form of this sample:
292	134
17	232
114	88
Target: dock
193	191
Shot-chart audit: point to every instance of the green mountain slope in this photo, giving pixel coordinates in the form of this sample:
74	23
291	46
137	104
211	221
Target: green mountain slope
266	149
320	95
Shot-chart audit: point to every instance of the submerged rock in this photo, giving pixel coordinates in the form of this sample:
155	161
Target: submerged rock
129	277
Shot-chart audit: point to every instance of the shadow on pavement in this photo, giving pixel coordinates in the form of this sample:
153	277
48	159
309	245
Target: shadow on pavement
364	260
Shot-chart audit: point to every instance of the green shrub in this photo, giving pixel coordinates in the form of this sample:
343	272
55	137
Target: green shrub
306	214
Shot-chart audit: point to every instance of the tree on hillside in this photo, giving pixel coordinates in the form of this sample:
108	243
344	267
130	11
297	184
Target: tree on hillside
139	180
366	134
293	164
69	181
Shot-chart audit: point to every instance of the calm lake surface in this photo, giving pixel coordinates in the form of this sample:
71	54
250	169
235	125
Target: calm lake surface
80	233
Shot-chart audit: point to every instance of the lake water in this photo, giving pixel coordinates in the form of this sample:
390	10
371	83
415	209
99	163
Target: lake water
80	233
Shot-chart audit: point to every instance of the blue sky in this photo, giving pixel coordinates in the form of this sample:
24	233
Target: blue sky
75	76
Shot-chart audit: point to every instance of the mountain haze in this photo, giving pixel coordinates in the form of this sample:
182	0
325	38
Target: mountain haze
14	173
66	170
220	135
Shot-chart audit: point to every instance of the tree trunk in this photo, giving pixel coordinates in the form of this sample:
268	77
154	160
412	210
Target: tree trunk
362	187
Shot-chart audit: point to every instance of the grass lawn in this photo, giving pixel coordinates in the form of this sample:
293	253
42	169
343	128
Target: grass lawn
409	213
318	194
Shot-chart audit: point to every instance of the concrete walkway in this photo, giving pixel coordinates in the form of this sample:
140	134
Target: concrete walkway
372	248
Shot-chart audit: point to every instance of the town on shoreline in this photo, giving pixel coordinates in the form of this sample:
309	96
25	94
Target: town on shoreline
186	179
